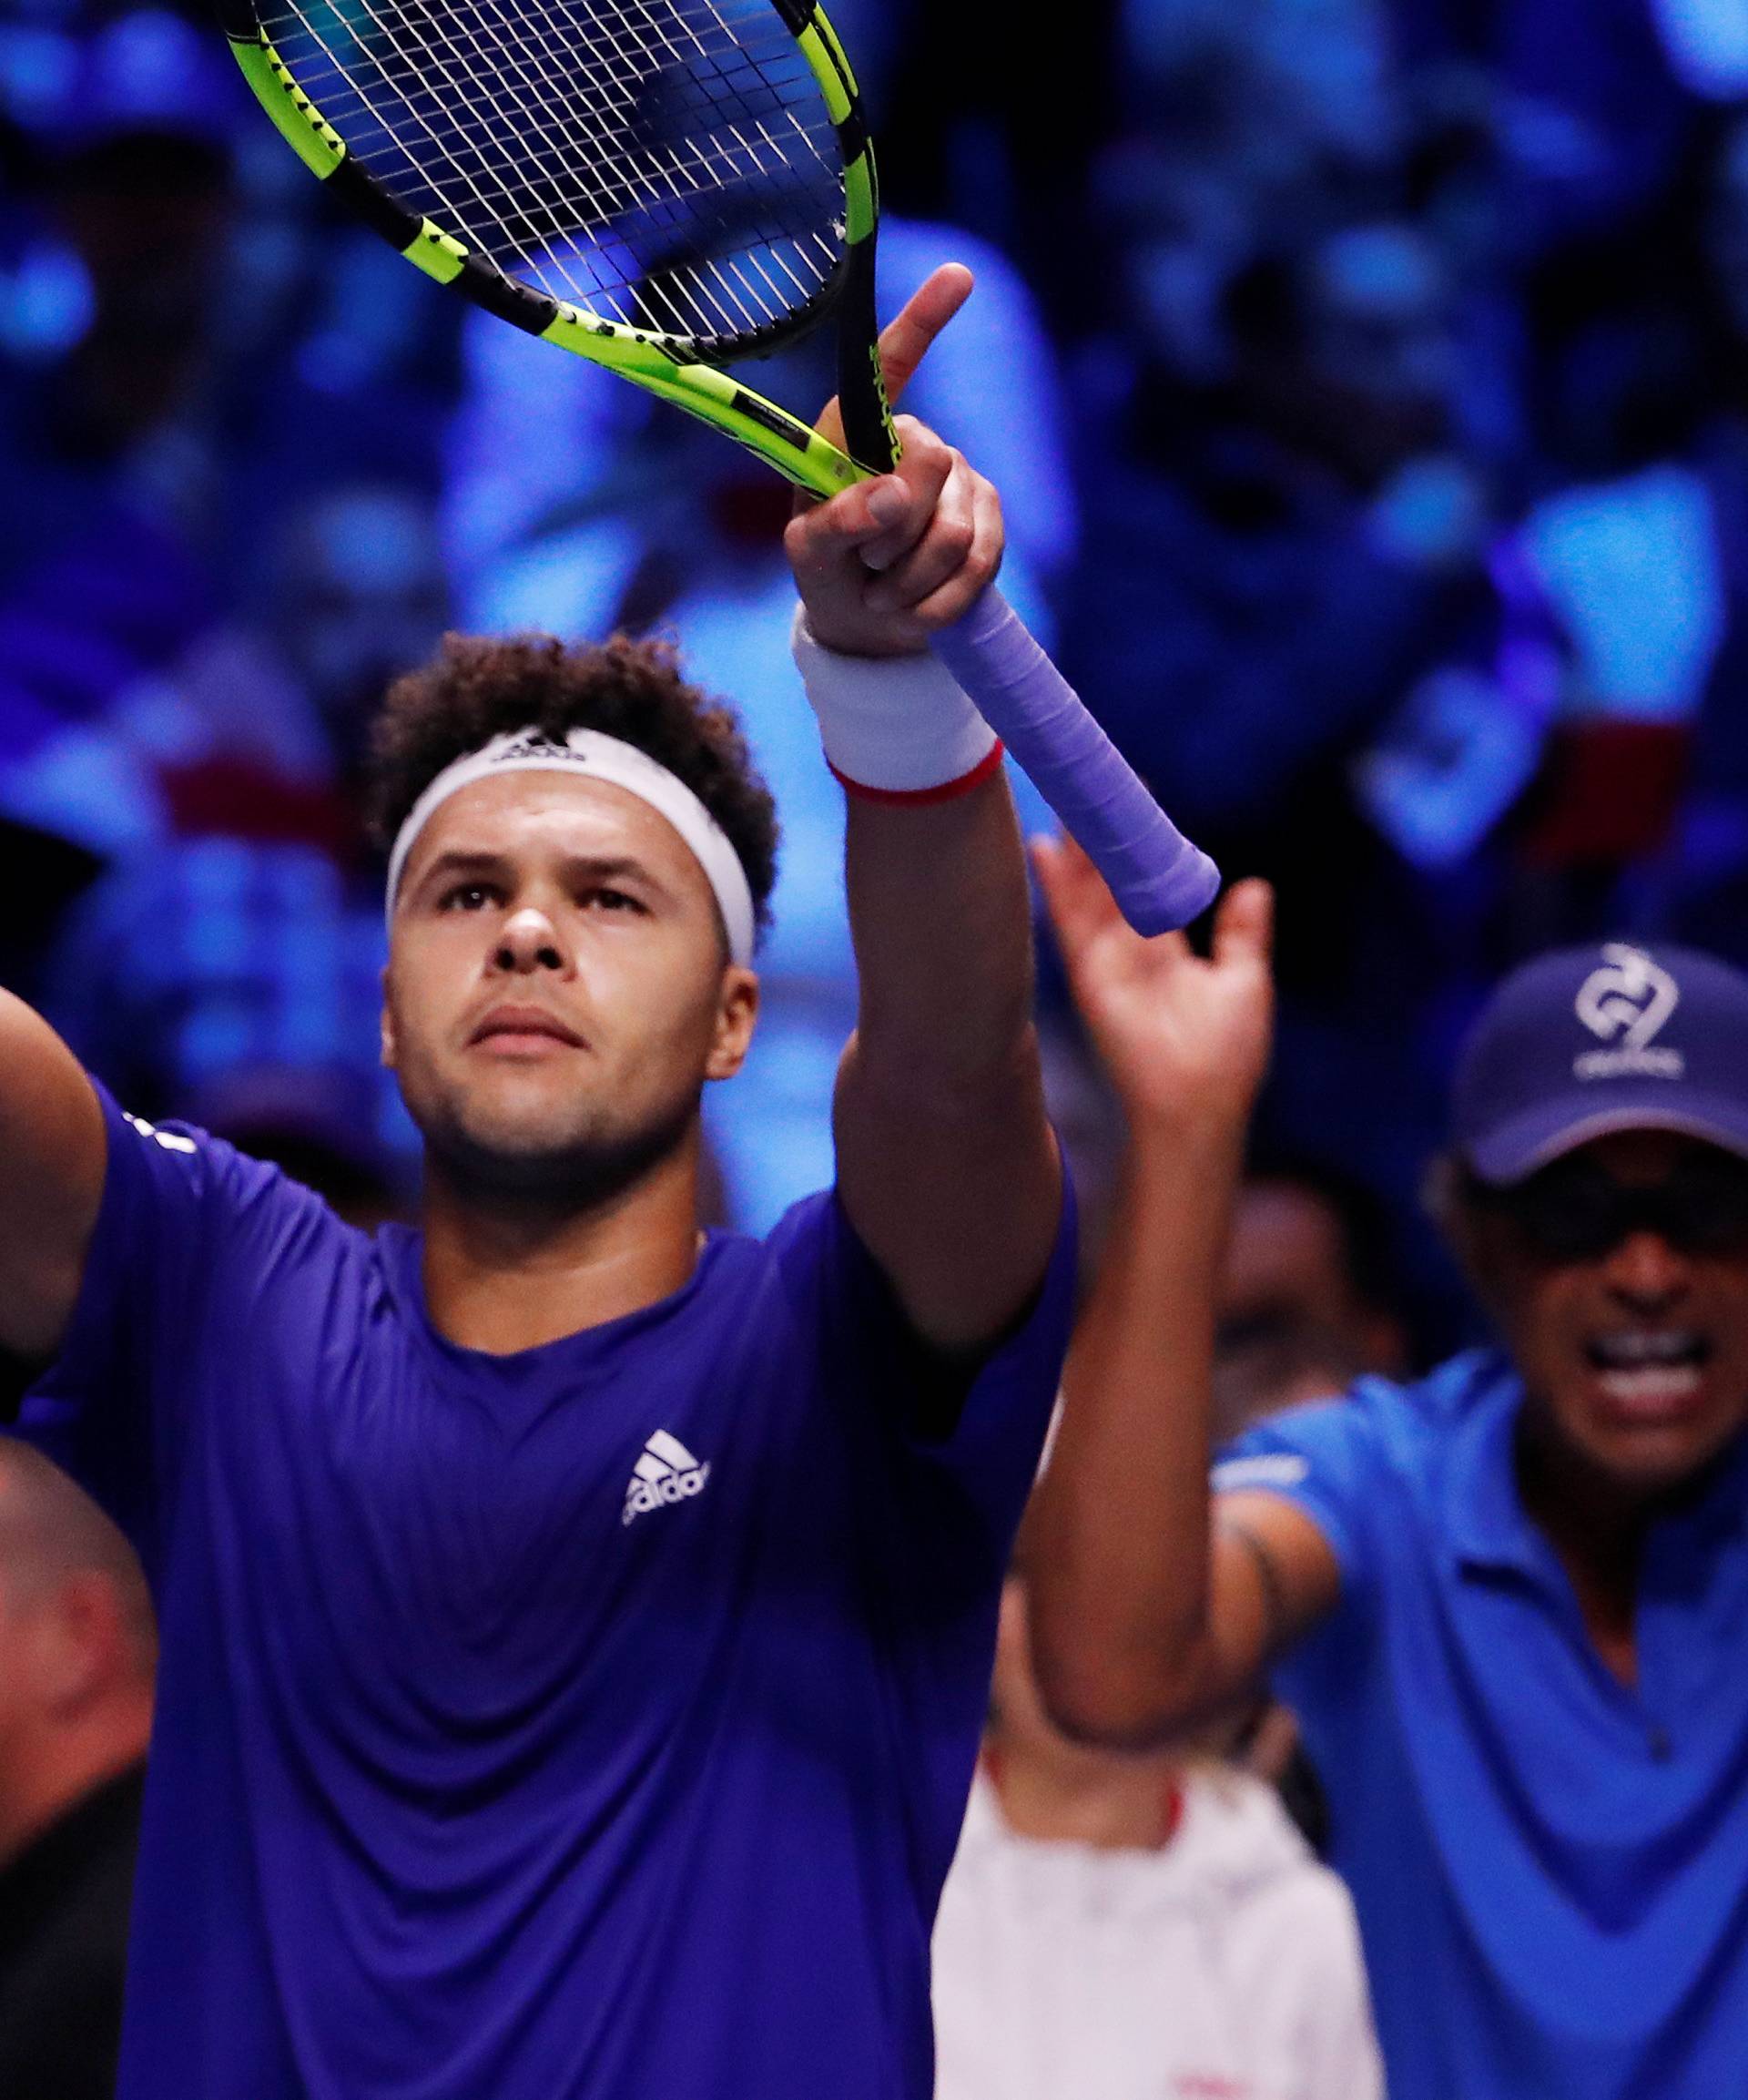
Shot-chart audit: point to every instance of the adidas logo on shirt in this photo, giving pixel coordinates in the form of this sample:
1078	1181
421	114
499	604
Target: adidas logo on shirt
667	1473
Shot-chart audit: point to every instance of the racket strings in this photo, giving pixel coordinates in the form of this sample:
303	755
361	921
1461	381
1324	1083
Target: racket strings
550	157
667	163
489	144
495	136
733	300
552	149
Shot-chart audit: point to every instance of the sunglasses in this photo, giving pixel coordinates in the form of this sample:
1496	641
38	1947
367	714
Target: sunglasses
1576	1211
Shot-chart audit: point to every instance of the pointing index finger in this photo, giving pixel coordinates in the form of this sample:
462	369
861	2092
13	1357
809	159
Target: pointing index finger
905	340
904	343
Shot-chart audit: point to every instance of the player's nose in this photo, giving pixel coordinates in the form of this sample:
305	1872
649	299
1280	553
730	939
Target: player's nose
1646	1272
529	941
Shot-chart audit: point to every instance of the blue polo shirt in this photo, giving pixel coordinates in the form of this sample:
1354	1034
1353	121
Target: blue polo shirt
589	1723
1551	1869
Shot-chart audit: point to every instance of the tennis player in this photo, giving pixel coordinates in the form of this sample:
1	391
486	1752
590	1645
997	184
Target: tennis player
576	1631
1510	1602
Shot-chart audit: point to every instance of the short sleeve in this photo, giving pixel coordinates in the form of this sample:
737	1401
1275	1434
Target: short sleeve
968	1440
172	1221
934	1515
1327	1460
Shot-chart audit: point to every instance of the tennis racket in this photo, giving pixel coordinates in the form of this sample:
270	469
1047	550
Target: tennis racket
667	186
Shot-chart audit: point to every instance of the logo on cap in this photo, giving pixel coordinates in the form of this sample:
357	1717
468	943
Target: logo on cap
1626	1002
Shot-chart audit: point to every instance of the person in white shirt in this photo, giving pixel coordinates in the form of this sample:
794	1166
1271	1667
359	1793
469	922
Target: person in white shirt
1120	1927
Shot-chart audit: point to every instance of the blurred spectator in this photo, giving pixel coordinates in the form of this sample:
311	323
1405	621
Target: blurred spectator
1585	115
106	415
1315	71
1625	535
77	1651
1119	1928
218	952
1704	892
167	394
244	927
1503	1600
1303	621
1238	135
1309	1296
1277	556
255	730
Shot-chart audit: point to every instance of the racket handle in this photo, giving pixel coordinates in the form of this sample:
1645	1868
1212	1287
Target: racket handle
1159	878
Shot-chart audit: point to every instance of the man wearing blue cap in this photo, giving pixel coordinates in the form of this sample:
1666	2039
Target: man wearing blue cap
1509	1604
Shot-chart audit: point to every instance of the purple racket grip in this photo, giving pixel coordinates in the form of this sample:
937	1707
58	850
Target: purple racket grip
1159	878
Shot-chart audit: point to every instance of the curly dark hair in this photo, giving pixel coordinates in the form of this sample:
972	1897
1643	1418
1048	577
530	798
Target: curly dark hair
479	686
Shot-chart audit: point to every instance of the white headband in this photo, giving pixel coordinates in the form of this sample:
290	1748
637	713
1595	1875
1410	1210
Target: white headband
621	765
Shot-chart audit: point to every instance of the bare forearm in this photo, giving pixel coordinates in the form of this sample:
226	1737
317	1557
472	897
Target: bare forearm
51	1179
1120	1593
940	916
945	1161
944	1151
1142	1621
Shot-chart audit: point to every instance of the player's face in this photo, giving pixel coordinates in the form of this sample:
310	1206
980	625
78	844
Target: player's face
1635	1355
557	991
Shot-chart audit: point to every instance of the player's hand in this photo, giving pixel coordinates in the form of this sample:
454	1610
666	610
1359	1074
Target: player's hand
1185	1040
891	561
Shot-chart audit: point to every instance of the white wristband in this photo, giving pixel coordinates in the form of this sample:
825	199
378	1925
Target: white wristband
893	726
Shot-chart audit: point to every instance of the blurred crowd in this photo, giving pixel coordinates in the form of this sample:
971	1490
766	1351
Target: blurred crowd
1373	429
1374	440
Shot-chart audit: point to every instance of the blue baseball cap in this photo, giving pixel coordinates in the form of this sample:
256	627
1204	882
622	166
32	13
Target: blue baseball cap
1584	1041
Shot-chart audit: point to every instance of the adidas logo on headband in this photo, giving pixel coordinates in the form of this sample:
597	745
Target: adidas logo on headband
537	744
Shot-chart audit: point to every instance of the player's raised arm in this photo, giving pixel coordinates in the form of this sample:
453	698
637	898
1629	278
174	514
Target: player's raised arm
945	1159
51	1180
1152	1607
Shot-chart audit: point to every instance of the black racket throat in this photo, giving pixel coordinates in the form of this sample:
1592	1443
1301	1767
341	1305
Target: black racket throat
869	436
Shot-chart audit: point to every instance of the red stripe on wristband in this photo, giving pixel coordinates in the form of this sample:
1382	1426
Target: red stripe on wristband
915	798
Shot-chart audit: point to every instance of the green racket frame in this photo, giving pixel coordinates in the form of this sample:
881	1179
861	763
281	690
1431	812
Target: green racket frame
666	365
1159	878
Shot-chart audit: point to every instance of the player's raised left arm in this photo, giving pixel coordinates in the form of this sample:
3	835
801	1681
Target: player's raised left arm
945	1159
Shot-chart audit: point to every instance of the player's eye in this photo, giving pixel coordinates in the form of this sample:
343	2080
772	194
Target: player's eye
467	897
605	898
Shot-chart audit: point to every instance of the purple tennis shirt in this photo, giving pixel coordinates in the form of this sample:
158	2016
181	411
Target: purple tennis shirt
595	1720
